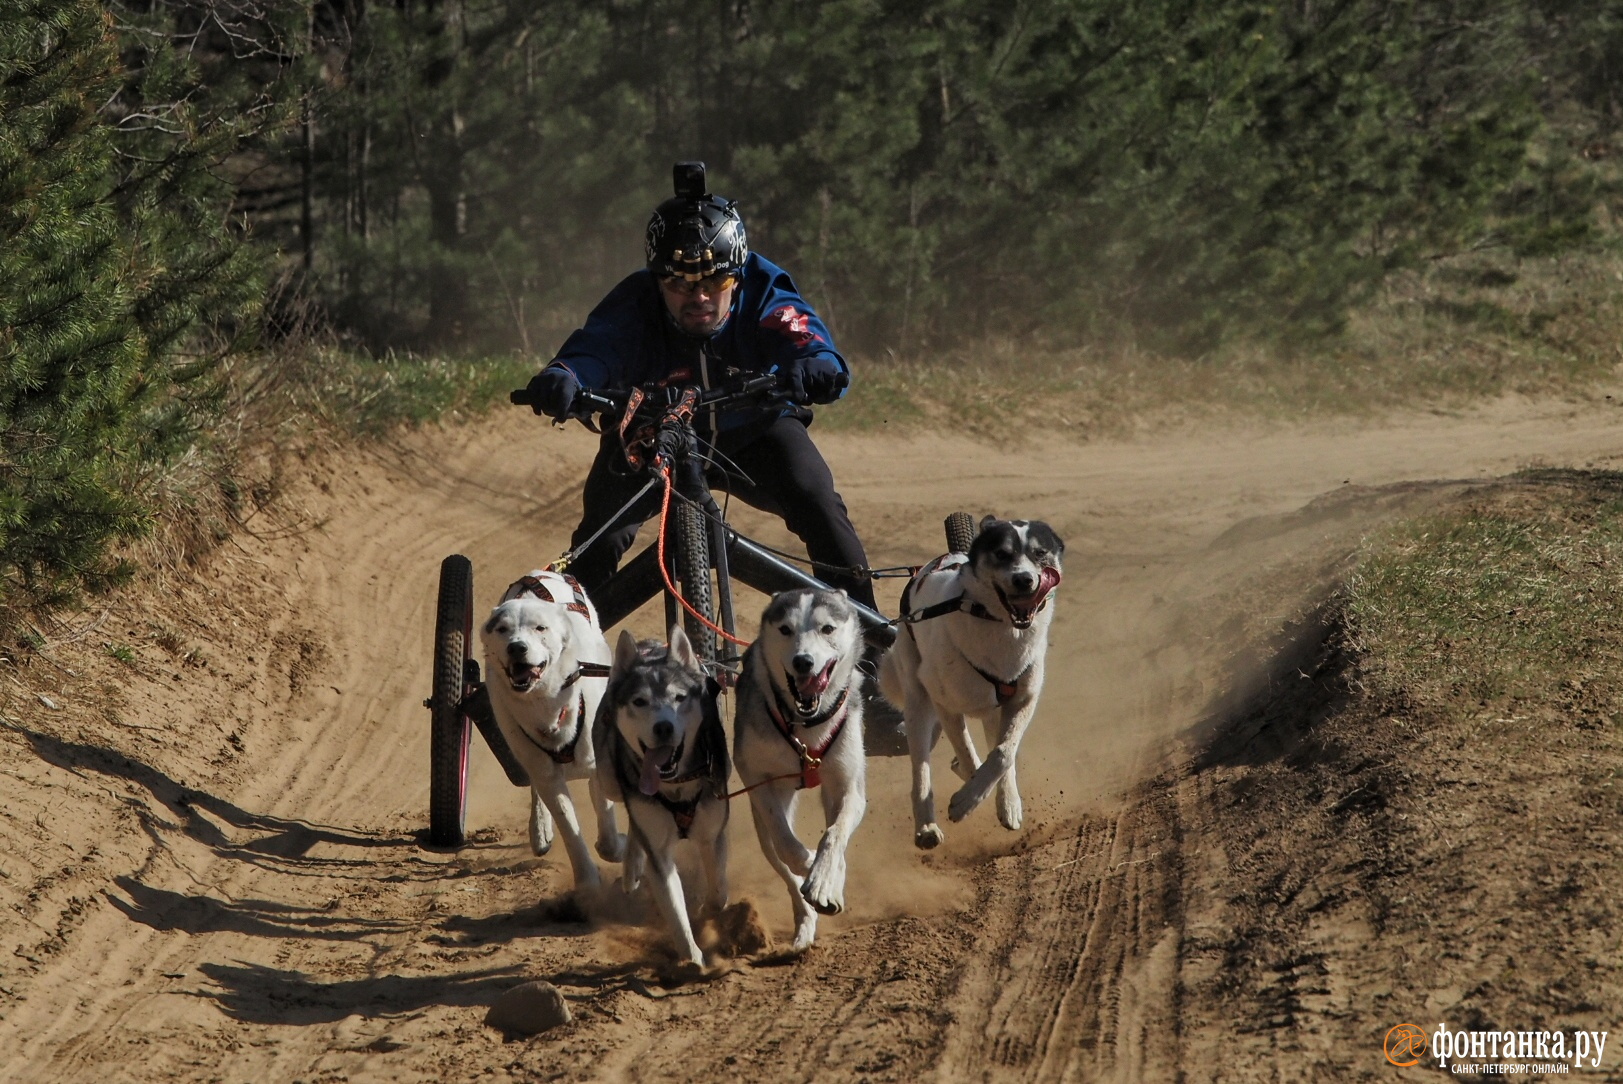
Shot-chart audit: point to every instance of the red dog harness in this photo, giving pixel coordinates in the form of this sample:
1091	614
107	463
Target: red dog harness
535	586
811	759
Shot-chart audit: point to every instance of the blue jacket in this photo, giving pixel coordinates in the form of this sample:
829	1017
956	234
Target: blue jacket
631	339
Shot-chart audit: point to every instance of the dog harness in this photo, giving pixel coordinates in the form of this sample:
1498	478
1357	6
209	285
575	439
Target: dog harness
811	759
1005	691
566	755
534	585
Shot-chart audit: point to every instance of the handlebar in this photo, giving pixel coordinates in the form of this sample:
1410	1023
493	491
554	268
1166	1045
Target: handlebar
613	401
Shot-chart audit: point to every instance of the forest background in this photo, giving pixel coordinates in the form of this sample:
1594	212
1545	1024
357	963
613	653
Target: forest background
220	219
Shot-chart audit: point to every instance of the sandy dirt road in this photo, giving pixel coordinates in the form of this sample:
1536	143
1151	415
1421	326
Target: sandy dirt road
212	793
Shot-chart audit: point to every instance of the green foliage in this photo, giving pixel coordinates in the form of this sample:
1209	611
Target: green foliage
71	352
1163	172
112	256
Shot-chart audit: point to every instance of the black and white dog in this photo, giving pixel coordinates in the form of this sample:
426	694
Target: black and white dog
975	632
663	752
545	661
799	726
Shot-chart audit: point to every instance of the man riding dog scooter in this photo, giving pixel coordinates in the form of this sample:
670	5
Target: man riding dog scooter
703	308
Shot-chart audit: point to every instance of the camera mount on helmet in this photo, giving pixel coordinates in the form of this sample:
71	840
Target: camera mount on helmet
695	235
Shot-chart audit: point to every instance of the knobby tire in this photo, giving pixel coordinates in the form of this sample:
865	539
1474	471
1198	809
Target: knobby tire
693	575
449	726
960	527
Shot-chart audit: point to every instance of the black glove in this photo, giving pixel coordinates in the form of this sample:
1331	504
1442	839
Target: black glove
552	392
815	379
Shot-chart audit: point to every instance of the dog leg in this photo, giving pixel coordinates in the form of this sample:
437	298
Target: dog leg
1008	801
843	807
555	793
965	759
805	917
611	844
666	883
999	761
780	800
540	824
631	871
921	735
713	859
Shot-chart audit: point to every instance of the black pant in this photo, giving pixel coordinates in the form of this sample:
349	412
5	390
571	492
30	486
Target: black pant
786	476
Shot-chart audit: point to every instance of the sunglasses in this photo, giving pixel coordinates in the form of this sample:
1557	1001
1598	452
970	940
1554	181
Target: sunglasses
714	284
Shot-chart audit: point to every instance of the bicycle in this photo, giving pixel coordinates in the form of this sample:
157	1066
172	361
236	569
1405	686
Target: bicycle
693	560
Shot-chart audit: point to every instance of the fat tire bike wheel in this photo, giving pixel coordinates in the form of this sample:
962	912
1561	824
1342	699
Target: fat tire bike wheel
960	528
449	725
693	576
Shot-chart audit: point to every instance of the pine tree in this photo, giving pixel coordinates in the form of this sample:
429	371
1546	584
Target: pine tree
71	353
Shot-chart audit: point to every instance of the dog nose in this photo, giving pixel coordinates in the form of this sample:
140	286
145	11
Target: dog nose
802	664
662	732
516	649
1024	582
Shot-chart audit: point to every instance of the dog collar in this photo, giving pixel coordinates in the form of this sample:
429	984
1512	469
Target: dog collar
811	758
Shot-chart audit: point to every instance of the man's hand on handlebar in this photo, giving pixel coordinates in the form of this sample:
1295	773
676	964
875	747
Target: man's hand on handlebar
552	392
817	379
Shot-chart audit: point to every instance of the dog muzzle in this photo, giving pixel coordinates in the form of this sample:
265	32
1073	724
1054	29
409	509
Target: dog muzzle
1023	610
657	766
523	676
809	690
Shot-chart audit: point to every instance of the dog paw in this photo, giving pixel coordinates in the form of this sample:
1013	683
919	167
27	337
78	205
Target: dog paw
541	831
962	805
826	897
929	837
1009	812
612	849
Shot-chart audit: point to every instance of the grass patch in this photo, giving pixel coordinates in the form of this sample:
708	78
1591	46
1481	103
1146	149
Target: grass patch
1512	604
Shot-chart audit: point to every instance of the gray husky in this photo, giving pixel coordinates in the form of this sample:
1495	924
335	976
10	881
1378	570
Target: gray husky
798	726
662	751
975	634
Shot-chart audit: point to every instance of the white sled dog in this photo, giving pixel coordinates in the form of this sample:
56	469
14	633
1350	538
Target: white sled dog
974	635
663	752
545	661
799	726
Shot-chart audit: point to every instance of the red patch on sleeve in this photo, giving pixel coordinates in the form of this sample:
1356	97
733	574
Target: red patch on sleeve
792	325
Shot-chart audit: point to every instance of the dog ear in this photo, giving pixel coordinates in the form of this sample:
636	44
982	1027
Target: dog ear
987	521
625	652
682	652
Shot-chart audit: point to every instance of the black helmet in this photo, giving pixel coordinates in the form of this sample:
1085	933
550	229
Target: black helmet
694	234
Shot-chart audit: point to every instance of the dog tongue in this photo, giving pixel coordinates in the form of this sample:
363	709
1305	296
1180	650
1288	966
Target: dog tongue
816	683
1047	580
651	761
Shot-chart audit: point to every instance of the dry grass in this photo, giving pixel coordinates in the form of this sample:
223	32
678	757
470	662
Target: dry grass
1469	328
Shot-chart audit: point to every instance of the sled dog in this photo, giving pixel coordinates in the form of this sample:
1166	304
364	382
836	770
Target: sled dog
545	661
974	634
663	752
799	726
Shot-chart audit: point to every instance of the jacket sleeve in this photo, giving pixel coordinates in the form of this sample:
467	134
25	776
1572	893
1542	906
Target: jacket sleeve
607	351
788	328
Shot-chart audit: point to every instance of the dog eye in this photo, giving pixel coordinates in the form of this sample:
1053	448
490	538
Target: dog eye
828	630
640	701
786	630
680	698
